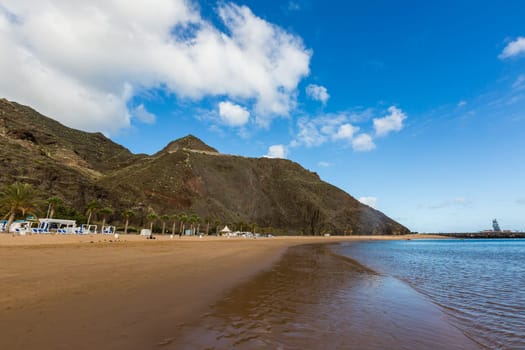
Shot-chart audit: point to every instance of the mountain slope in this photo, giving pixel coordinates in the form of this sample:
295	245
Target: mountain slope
270	192
186	176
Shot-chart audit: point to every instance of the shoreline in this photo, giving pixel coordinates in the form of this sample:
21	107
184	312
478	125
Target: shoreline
316	298
9	240
62	292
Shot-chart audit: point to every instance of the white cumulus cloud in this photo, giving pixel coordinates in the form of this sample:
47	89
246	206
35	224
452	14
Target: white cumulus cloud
317	131
314	132
277	151
309	134
514	48
392	122
82	62
141	113
345	132
363	143
370	201
232	114
318	93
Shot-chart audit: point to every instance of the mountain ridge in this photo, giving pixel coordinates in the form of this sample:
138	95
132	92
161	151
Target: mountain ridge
187	175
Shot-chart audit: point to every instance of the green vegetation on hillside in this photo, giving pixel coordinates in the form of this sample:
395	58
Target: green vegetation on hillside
187	176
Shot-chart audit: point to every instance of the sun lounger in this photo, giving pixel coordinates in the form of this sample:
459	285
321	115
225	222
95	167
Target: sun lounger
108	230
20	231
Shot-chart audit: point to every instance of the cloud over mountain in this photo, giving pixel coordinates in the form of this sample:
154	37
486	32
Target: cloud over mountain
83	62
232	114
392	122
341	127
277	151
370	201
318	93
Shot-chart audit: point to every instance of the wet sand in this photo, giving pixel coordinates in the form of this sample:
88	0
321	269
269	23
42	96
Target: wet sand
85	292
315	299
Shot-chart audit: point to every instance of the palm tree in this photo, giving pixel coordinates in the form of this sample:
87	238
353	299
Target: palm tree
105	212
207	220
91	208
164	218
217	223
19	197
198	220
239	226
128	213
183	218
152	217
174	217
189	220
53	202
193	219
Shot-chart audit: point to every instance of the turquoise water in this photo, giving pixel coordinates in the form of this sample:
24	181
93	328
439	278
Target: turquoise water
479	284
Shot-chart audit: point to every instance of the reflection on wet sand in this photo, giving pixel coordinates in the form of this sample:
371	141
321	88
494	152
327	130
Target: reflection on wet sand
315	299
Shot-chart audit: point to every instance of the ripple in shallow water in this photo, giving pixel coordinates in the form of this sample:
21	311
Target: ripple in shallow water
314	299
479	283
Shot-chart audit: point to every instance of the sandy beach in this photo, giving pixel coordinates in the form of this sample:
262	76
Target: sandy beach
95	292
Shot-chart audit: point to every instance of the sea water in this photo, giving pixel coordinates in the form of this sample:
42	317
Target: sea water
479	284
314	298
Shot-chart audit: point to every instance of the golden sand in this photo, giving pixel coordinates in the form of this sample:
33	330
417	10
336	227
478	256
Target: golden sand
98	292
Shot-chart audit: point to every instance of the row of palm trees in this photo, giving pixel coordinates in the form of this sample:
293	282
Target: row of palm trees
192	219
178	221
24	199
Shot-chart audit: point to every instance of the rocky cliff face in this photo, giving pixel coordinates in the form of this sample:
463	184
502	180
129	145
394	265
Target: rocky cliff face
186	176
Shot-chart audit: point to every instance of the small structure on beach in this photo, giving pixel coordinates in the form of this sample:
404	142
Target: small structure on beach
225	231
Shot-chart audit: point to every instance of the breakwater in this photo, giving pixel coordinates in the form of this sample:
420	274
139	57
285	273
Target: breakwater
483	234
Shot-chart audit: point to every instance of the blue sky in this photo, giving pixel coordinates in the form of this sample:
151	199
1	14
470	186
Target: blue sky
414	107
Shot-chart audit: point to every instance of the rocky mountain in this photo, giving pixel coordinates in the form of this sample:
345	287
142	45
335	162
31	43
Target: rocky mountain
186	176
